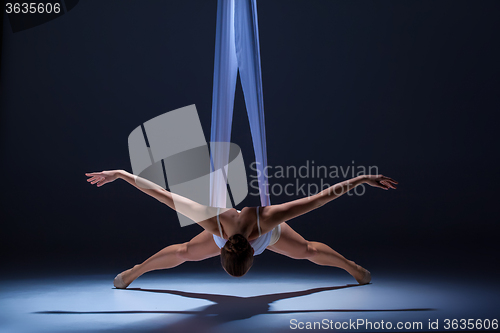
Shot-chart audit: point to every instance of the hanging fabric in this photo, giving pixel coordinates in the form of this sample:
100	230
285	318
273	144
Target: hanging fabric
237	48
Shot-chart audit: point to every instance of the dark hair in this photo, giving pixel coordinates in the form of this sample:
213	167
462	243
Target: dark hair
237	255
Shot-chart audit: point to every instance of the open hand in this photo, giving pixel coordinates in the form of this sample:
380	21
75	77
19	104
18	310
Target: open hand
381	181
101	178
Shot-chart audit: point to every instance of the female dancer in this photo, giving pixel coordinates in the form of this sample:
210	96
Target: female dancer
238	236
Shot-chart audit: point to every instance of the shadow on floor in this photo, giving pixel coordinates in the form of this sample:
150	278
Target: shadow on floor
227	308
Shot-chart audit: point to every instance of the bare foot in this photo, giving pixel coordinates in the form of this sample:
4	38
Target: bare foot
364	277
124	279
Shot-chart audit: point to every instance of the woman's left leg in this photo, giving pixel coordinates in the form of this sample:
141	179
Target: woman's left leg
293	245
199	248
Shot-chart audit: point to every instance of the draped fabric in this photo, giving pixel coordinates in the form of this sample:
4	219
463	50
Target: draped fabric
237	48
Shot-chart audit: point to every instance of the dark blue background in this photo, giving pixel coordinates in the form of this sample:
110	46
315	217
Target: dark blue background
409	86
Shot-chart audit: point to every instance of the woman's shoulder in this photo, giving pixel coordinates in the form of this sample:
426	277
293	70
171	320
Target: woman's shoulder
210	225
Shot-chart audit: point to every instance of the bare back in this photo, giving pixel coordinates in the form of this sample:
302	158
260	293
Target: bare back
233	222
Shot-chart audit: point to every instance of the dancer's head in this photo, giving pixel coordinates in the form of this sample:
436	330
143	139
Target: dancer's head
237	255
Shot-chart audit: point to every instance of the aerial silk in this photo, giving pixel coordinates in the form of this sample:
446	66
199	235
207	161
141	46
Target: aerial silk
237	48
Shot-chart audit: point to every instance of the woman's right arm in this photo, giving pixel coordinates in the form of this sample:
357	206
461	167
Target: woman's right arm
273	215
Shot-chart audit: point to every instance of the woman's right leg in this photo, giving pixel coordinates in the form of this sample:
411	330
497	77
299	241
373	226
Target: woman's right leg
200	247
293	245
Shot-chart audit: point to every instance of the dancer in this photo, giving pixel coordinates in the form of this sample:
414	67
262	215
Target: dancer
238	236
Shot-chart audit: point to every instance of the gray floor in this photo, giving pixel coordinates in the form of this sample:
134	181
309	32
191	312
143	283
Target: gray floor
215	302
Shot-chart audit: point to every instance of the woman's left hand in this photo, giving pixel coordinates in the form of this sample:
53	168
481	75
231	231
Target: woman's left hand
101	178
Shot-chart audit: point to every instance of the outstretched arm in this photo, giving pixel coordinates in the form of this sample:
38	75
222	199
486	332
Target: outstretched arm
154	190
273	215
193	210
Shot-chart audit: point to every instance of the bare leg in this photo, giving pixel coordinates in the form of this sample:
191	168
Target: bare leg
200	247
293	245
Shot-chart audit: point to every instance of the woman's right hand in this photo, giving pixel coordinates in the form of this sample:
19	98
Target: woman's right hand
381	181
103	177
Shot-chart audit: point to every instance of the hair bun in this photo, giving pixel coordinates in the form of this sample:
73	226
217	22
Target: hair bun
238	243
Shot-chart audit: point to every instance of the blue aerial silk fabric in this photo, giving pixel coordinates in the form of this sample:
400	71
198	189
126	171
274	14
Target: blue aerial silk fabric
237	48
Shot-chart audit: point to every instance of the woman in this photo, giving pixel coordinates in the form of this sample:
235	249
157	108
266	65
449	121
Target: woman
238	236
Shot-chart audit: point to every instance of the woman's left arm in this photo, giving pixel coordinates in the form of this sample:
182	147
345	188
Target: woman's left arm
198	213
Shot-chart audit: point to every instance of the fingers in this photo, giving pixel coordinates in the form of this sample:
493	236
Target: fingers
96	178
389	179
388	184
379	185
384	186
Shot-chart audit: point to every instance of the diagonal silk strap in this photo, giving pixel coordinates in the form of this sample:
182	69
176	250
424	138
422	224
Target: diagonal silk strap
237	48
